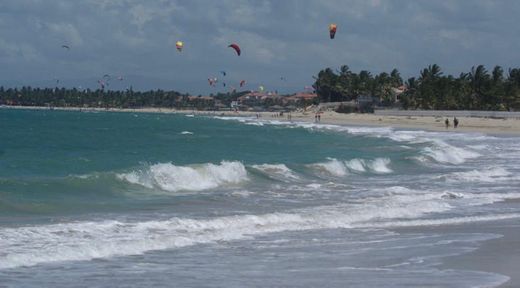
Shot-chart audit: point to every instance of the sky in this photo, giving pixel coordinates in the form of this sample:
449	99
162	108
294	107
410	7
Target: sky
135	39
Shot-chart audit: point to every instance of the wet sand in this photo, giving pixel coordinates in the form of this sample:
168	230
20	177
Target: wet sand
500	255
466	124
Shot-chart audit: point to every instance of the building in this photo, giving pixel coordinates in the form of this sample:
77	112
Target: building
301	97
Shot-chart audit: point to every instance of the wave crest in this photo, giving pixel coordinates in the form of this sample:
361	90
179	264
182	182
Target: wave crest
333	167
277	171
339	168
170	177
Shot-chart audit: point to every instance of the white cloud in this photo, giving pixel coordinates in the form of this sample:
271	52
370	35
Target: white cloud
66	32
12	52
288	37
255	47
143	14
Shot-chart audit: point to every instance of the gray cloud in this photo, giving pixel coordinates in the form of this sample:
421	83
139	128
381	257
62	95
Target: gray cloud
279	38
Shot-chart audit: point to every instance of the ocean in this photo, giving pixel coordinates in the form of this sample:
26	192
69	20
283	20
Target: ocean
106	199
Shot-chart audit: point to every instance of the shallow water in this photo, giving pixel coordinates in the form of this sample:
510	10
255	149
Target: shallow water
156	199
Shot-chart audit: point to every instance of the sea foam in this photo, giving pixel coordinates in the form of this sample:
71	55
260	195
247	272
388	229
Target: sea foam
169	177
339	168
277	171
79	241
380	165
491	175
333	167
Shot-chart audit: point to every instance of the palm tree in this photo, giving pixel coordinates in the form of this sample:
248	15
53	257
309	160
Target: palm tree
431	73
396	78
325	83
478	78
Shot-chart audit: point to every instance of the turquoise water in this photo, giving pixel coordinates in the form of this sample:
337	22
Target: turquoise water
85	192
69	160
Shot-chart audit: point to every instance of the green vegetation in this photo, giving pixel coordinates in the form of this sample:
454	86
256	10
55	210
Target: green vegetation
61	97
347	86
475	90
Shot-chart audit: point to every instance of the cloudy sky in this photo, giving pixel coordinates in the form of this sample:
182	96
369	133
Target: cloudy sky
289	38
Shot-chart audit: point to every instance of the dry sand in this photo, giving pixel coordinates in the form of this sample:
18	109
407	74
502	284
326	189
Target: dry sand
466	124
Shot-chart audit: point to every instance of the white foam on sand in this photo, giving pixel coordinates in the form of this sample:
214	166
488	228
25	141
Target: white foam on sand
490	175
78	241
447	221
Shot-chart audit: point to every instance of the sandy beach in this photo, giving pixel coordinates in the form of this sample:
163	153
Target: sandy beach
490	126
466	124
500	255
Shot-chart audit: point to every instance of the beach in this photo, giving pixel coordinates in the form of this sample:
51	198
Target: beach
191	196
500	255
466	124
504	126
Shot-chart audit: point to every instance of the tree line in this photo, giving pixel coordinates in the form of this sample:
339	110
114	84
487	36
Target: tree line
62	97
477	89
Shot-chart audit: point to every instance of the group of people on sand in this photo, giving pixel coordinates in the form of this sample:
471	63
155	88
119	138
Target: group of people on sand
317	118
455	122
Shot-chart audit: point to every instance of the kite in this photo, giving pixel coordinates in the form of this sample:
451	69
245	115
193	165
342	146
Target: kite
332	30
236	47
212	81
179	45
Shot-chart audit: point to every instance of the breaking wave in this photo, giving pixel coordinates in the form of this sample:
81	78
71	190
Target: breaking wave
169	177
32	245
339	168
277	171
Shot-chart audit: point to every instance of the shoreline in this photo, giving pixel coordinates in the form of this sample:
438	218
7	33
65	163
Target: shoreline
491	126
500	255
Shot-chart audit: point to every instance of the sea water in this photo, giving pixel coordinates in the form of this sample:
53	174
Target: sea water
138	200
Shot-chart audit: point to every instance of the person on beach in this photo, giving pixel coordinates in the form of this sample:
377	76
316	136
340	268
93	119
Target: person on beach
455	122
447	122
316	118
